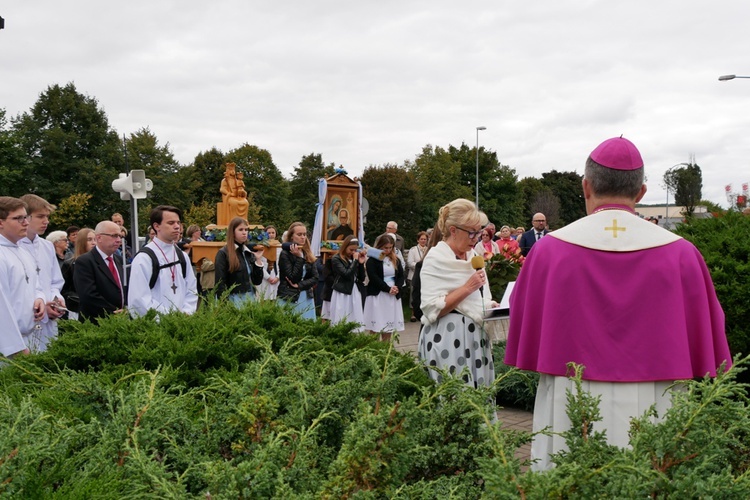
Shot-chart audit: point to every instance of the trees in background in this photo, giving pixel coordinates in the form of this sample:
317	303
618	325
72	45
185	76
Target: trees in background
392	193
263	182
437	177
686	182
303	187
499	197
12	159
558	195
68	149
64	149
566	187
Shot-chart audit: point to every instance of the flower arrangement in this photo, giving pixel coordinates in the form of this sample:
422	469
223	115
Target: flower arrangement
257	237
503	268
330	245
215	234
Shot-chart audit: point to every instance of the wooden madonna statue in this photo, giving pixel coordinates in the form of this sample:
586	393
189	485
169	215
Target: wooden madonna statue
234	202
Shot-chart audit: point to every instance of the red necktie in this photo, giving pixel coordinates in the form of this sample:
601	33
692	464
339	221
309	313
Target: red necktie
114	271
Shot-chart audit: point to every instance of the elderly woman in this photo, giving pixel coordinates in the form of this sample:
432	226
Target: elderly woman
86	241
59	240
508	246
454	299
486	247
415	256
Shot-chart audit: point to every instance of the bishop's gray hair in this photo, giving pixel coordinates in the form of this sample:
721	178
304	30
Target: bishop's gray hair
610	182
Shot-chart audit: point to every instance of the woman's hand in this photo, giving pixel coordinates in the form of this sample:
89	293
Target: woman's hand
394	290
258	254
477	280
273	280
296	250
293	285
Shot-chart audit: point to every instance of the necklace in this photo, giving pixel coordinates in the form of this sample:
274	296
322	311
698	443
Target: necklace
34	252
25	272
171	268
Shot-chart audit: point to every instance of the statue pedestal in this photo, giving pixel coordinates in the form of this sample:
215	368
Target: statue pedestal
209	249
205	250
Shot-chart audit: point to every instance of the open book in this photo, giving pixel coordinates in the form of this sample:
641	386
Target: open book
503	309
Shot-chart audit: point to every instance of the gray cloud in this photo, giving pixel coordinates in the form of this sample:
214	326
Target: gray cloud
372	83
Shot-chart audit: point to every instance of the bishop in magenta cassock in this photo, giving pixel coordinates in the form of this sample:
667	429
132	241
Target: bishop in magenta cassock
630	301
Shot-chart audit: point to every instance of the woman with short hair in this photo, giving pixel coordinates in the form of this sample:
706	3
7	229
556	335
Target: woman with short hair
85	242
485	246
59	240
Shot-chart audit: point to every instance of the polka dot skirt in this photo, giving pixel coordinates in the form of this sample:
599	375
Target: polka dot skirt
456	344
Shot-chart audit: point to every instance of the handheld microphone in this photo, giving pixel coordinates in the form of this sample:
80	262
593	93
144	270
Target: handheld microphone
477	262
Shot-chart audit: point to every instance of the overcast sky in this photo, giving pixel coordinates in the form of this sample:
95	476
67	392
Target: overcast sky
368	83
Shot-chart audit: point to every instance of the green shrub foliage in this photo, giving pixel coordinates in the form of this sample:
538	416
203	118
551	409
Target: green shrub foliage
258	403
724	243
518	389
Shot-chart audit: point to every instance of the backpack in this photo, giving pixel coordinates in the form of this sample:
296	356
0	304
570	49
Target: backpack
155	267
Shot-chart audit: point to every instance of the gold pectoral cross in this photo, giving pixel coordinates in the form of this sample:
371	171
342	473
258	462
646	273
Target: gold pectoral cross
614	228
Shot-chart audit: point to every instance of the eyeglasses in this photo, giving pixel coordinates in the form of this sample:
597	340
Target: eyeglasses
20	218
111	235
470	234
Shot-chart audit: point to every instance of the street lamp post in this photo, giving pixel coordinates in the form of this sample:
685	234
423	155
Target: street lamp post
724	78
477	179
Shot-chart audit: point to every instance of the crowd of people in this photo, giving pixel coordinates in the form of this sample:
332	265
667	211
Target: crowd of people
578	297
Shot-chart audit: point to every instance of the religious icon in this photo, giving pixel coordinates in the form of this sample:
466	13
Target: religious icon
341	213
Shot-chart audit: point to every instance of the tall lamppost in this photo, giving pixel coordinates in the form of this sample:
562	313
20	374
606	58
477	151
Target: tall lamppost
477	186
724	78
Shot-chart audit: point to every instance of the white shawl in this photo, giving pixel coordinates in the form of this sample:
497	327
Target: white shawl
441	274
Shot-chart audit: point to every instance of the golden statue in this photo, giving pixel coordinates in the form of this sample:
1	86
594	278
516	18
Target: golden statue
234	201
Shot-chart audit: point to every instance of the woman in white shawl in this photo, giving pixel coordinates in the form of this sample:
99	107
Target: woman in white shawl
454	299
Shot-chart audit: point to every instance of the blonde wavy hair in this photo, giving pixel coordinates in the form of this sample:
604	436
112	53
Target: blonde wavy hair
459	212
306	250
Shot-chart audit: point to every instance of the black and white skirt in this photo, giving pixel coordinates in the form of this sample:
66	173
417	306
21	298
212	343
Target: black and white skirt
460	346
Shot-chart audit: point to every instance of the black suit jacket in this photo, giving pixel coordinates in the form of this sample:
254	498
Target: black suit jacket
527	240
98	292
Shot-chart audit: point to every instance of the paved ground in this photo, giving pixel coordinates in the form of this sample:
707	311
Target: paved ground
510	417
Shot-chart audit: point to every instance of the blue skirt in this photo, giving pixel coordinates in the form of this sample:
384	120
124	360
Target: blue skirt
305	306
240	299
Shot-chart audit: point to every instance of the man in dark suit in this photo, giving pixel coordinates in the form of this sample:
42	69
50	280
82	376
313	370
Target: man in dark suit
97	275
539	229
